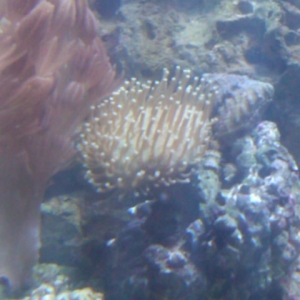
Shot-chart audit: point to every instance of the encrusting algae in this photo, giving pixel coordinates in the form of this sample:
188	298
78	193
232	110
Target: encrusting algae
147	134
48	292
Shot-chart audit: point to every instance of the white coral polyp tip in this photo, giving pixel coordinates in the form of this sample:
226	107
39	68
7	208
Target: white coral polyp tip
157	174
140	173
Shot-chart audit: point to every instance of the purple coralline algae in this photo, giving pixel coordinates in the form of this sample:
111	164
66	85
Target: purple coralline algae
237	242
239	102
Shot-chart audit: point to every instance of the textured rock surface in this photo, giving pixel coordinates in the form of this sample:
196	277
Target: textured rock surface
239	243
213	36
256	38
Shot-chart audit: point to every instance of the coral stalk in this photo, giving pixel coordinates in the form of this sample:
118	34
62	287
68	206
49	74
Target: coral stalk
53	66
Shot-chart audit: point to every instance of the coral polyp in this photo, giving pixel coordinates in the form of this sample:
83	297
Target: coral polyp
147	134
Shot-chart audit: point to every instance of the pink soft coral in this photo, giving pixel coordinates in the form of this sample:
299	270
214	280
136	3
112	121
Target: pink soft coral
52	67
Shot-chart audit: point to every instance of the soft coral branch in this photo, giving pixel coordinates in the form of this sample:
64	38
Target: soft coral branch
53	66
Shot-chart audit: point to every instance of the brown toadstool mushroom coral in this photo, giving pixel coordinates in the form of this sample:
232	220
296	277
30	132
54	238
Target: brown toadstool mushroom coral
52	68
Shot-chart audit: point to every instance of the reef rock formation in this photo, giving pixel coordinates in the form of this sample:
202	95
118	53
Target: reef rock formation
240	243
239	102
